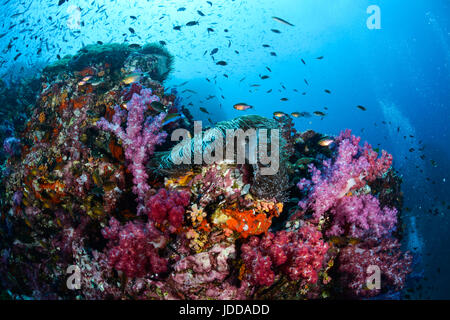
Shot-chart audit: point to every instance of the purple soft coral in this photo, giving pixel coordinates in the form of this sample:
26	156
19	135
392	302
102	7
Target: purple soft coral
139	139
363	217
353	215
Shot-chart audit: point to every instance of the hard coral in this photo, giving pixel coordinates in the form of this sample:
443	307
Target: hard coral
204	275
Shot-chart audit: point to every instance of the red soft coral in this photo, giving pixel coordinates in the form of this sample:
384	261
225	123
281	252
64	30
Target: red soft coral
168	206
133	248
354	261
297	254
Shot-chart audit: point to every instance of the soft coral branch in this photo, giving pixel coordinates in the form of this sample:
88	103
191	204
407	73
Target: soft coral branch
139	139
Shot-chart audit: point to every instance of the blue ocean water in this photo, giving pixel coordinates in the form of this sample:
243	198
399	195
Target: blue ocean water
399	73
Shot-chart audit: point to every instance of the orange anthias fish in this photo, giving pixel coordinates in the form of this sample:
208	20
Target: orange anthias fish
325	142
242	106
279	114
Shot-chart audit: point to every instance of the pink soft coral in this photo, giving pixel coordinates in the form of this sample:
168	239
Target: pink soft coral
139	139
368	159
133	248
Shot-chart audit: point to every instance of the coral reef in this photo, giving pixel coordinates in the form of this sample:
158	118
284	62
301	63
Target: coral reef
90	181
152	58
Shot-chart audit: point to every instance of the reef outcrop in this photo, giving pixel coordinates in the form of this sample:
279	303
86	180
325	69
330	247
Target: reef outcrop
90	185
